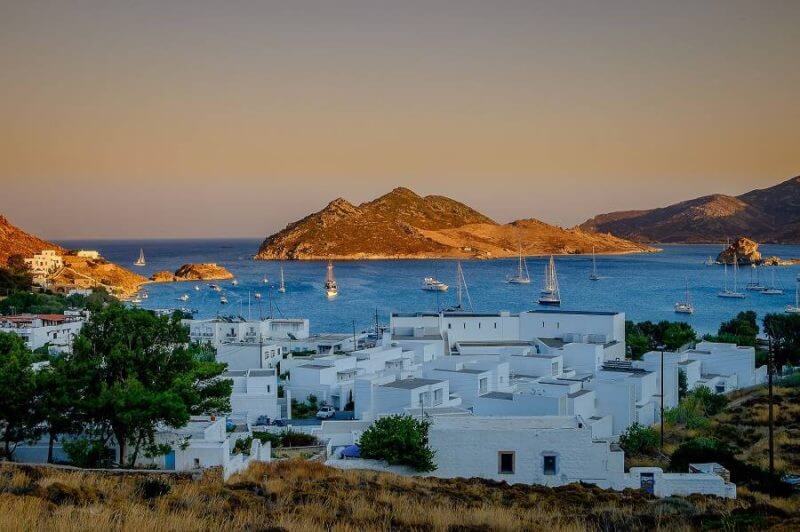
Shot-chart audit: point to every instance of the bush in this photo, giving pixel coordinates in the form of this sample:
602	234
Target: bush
639	439
83	452
696	408
400	440
286	438
152	487
306	409
242	446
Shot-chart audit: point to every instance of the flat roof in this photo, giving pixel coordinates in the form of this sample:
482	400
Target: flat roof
464	370
505	423
574	312
578	393
552	342
410	384
235	373
412	337
315	366
262	372
508	396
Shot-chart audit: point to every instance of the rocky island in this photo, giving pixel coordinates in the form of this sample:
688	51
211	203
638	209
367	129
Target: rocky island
206	271
746	252
404	225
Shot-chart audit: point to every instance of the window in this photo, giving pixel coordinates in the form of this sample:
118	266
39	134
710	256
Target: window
423	398
465	324
268	390
449	325
437	396
505	462
549	465
196	463
484	385
479	325
495	325
720	388
554	369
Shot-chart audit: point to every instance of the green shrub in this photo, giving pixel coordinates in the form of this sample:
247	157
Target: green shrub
306	409
290	438
695	409
400	440
83	452
639	439
152	487
242	446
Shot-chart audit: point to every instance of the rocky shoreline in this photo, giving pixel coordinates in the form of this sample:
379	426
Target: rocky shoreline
208	271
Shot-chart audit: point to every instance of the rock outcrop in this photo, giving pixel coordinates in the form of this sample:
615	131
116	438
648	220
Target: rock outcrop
207	271
82	272
404	225
768	215
745	251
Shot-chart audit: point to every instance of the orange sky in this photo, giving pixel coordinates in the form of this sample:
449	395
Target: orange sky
192	118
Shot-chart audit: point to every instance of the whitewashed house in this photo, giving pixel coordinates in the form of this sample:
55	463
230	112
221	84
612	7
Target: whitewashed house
43	264
397	396
254	394
249	355
57	331
470	379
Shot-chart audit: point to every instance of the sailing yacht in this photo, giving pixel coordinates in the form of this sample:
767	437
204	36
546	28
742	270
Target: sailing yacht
140	261
755	280
709	261
550	294
727	293
223	300
593	276
522	276
331	288
282	287
197	288
773	289
795	309
431	284
461	291
685	306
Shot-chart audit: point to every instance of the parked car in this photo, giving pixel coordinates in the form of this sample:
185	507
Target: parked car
326	412
262	420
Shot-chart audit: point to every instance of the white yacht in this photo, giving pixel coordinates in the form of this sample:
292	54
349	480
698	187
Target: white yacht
550	294
430	284
215	287
685	306
257	295
795	309
223	300
197	288
709	261
522	276
726	292
140	261
331	288
593	276
282	287
184	297
755	284
773	289
461	291
235	282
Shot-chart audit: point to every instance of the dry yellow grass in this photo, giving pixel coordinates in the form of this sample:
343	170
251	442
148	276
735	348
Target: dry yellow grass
301	495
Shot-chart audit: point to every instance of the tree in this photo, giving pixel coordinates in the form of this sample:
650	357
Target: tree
400	440
676	334
683	385
141	371
783	331
741	330
647	336
19	415
639	439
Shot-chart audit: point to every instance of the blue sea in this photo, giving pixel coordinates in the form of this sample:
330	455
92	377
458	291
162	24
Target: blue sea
644	287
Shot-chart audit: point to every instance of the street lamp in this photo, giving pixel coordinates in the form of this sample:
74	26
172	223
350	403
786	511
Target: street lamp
661	348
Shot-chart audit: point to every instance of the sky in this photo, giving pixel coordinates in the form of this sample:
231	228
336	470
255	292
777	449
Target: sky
189	118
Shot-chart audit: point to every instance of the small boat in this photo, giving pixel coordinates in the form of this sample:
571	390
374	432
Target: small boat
331	288
709	261
214	287
685	306
197	287
257	295
282	287
593	276
431	284
550	294
145	295
184	297
140	261
726	292
136	300
522	276
223	300
461	291
235	282
265	280
755	280
773	289
795	309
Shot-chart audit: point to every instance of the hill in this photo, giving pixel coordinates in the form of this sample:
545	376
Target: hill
402	224
15	241
299	495
767	215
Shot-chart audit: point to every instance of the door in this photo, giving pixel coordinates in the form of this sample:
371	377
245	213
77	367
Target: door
647	482
169	460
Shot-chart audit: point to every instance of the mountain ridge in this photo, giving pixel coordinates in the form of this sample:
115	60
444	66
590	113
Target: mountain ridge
403	224
15	241
771	215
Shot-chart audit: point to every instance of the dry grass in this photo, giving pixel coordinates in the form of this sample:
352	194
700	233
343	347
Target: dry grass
302	495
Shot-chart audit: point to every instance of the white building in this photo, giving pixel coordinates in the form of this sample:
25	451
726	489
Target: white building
88	254
249	355
254	394
233	329
470	378
57	331
44	264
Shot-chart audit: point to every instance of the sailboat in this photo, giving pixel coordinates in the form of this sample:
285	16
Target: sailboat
223	300
522	276
184	297
197	288
685	306
265	280
593	276
755	280
282	287
795	309
550	294
709	261
773	289
461	291
140	261
331	288
727	293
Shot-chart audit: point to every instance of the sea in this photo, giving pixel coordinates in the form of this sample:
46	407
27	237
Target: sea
643	286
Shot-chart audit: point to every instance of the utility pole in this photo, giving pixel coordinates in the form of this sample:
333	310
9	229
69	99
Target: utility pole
662	399
770	370
355	344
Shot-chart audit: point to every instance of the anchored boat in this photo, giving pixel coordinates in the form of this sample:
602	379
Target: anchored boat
550	294
726	292
431	284
685	306
140	261
593	276
331	288
282	287
522	276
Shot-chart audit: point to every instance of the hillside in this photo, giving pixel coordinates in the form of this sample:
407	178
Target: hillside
15	241
767	215
402	224
298	495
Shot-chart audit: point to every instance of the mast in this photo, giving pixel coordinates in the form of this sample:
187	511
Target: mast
735	273
329	277
283	286
462	286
